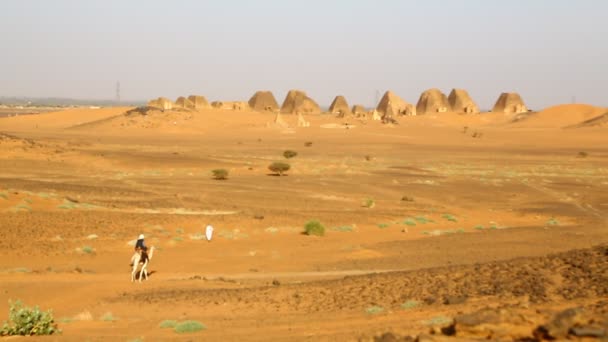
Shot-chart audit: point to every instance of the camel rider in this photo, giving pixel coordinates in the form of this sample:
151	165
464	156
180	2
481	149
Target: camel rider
140	245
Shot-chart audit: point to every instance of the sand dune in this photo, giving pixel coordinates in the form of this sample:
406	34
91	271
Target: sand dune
561	116
60	119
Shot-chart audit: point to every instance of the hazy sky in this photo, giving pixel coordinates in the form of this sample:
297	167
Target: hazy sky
548	50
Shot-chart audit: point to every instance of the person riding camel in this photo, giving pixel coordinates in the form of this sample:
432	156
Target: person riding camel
140	245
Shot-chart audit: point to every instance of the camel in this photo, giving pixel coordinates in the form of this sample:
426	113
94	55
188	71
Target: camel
136	260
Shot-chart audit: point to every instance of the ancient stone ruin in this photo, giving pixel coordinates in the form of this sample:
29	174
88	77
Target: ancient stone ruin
397	105
460	102
359	110
263	101
297	101
184	103
432	101
200	102
162	103
340	107
509	103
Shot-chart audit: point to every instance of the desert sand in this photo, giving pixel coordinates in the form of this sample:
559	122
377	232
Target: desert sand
497	216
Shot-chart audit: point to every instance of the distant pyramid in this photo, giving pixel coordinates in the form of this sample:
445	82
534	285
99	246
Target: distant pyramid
263	101
432	101
199	102
297	101
359	110
461	102
183	102
397	104
162	103
340	107
509	103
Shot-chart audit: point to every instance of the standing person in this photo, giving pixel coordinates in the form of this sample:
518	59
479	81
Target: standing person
209	232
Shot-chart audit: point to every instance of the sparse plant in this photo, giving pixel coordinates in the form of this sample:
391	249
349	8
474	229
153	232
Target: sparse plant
552	222
409	222
167	324
368	157
407	199
26	321
288	154
308	143
108	317
383	225
411	304
220	174
88	250
279	167
582	154
369	203
189	327
314	228
450	217
374	310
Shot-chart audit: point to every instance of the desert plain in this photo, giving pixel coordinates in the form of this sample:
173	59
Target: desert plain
471	225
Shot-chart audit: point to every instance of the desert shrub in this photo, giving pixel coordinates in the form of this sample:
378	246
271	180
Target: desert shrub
583	154
289	154
369	203
314	228
167	324
220	174
279	167
88	250
28	321
308	143
374	310
407	199
411	304
189	326
108	317
450	217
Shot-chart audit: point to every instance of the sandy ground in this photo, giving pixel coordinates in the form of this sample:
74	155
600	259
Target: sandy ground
437	216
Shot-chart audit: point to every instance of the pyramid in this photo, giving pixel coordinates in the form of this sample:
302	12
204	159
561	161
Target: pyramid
200	102
297	101
162	103
340	107
359	110
397	104
263	101
461	102
432	101
183	102
509	103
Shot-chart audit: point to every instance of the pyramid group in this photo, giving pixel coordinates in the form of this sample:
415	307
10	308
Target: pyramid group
391	106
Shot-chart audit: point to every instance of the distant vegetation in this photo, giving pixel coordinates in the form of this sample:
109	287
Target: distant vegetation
279	167
289	154
220	174
314	228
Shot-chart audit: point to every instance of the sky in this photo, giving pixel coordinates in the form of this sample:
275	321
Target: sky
550	51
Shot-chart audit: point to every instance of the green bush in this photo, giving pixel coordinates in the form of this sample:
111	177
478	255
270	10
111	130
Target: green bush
189	326
28	321
279	167
368	203
289	154
167	324
220	174
314	228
